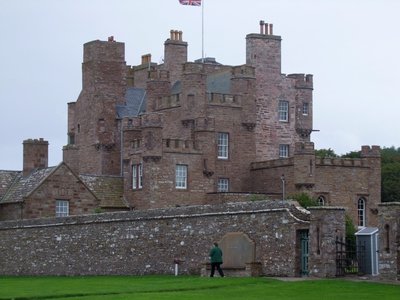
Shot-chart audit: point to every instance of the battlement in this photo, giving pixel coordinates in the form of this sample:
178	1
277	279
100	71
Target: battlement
193	68
179	146
341	162
243	71
367	151
39	141
170	101
302	81
162	75
224	99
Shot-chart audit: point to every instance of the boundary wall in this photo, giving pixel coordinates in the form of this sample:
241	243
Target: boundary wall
149	242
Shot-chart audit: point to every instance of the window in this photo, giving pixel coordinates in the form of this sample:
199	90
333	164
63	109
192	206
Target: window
181	176
137	176
321	200
283	111
223	140
223	185
361	212
283	151
62	208
305	108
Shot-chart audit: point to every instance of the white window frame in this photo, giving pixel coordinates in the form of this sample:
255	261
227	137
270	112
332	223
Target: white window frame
283	151
306	108
283	111
361	204
181	172
223	145
62	208
137	176
223	185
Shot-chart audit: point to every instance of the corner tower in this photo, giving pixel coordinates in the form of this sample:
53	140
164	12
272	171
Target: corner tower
284	103
94	144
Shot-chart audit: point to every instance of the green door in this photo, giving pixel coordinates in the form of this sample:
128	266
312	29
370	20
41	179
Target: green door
304	251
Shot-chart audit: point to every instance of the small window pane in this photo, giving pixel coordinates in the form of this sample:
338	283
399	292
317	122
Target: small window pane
223	147
62	208
137	176
223	185
283	111
361	212
283	151
181	176
321	201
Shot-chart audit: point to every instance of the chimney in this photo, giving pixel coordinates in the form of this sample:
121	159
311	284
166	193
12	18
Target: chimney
35	155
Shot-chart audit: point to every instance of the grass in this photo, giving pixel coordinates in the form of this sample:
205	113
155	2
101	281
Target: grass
187	287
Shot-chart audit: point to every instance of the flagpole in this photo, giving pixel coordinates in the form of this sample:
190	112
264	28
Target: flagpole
202	31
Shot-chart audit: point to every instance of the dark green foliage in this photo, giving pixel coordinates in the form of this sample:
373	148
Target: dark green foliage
390	159
350	228
352	154
304	199
325	153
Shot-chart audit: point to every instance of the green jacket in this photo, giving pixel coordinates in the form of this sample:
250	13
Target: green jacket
216	255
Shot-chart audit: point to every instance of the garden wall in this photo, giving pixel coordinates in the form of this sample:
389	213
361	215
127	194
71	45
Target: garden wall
148	242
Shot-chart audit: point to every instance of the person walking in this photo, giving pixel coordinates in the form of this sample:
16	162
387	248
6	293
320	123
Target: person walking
216	260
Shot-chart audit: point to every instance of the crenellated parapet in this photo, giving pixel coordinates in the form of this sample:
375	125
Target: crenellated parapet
224	99
302	81
243	71
179	146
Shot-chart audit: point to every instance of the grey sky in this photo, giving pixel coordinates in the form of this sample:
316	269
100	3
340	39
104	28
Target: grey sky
351	47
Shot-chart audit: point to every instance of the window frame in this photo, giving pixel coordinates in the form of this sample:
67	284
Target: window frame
321	200
283	111
62	208
137	176
223	185
361	210
284	150
223	145
181	176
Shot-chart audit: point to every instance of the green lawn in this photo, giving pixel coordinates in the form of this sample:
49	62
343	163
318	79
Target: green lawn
187	287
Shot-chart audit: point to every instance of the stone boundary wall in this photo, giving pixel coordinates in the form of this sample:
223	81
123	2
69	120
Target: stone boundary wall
147	242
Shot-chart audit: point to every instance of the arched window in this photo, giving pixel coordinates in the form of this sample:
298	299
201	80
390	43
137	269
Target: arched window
321	200
361	212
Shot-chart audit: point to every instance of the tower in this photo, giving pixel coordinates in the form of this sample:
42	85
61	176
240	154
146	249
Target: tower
94	136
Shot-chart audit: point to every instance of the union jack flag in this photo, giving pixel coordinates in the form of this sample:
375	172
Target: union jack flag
190	2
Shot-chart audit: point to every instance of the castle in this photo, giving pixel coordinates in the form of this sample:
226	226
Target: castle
188	133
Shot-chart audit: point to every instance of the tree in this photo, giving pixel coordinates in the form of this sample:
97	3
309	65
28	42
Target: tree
390	159
325	153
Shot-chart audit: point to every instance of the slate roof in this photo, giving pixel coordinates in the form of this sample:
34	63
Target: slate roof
108	189
135	103
219	83
20	186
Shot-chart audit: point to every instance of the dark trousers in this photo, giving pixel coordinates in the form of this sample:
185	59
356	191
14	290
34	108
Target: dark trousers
218	266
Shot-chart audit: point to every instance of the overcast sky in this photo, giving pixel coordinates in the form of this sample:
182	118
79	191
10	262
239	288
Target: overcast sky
352	47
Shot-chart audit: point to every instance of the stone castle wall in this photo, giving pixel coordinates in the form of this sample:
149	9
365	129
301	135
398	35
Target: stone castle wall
147	242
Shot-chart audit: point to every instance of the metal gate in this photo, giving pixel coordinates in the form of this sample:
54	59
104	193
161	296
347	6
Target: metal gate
304	251
350	257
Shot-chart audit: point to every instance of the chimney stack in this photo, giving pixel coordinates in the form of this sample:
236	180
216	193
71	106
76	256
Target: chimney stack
35	155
